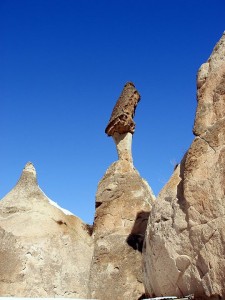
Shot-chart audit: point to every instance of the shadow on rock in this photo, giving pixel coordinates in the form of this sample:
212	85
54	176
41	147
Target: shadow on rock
137	235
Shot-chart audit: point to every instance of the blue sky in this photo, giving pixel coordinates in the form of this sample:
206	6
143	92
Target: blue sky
63	65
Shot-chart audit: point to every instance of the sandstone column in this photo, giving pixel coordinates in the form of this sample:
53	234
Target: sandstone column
123	202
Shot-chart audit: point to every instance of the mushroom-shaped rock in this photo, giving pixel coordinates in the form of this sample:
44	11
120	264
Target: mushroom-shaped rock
123	202
44	250
121	125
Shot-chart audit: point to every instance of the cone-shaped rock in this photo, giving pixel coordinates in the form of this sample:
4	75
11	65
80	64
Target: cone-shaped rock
123	202
185	241
44	252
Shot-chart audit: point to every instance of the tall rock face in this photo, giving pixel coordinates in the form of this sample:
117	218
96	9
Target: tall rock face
185	239
123	203
44	251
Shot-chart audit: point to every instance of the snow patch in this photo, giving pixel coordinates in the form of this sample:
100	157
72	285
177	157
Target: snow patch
65	211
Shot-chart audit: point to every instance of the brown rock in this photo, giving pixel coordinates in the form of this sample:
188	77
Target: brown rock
123	202
121	120
185	240
44	251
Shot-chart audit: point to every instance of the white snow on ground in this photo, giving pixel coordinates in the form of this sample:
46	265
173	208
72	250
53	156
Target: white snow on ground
65	211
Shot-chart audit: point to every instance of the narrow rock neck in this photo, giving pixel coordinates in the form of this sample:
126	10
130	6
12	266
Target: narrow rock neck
123	145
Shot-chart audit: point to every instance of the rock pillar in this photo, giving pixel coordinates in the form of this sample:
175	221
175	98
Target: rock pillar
123	203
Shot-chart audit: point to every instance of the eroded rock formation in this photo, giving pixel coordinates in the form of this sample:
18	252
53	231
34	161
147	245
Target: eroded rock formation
47	252
123	202
121	125
44	251
185	240
121	120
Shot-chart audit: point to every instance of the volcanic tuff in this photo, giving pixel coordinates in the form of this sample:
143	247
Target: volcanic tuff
43	251
54	251
123	203
185	239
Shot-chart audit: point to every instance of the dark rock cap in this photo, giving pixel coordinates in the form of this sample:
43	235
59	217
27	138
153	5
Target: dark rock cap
121	120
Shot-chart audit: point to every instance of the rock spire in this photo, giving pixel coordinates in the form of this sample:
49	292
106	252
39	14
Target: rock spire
123	202
44	251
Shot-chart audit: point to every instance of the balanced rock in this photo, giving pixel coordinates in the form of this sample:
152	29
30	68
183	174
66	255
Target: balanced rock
185	240
123	203
45	251
121	120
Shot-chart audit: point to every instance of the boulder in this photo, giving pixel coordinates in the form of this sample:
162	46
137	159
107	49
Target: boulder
184	251
121	120
45	251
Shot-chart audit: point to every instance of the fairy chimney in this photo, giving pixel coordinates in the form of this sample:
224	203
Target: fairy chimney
123	203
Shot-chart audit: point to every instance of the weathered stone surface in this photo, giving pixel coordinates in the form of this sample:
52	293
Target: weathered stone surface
185	240
123	202
124	146
121	120
44	251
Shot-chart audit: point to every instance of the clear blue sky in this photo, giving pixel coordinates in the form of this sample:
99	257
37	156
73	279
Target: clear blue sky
63	64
